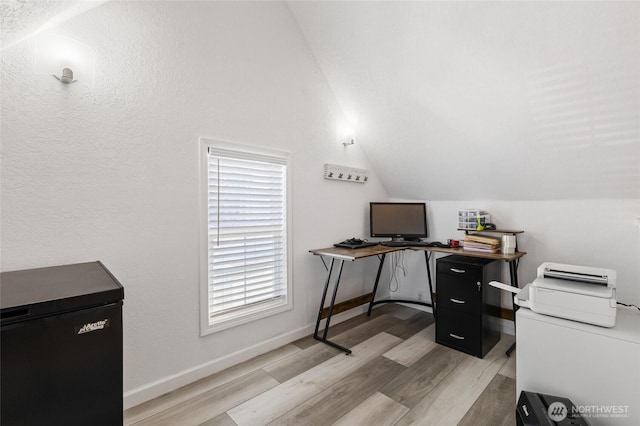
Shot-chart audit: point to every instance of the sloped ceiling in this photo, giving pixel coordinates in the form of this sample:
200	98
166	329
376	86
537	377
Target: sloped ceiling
487	100
468	100
20	19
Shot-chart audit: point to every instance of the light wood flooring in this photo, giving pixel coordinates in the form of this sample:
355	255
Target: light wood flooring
396	375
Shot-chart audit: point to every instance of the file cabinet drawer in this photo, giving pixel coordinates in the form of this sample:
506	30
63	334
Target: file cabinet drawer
460	294
460	331
456	269
461	267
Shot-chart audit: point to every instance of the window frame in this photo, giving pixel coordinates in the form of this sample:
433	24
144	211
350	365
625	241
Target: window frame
250	313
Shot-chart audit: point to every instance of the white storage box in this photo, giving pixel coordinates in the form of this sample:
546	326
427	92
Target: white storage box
468	219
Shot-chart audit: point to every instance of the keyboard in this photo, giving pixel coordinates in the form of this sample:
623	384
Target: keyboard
414	244
438	244
400	243
355	243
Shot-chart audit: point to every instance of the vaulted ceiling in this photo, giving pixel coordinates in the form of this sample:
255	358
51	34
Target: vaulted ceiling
487	100
20	19
469	100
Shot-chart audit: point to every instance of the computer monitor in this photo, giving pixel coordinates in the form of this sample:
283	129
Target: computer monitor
400	221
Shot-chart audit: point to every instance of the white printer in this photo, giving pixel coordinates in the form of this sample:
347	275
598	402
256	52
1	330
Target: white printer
579	293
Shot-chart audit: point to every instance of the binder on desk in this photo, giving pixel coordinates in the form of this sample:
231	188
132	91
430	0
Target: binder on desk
483	239
482	243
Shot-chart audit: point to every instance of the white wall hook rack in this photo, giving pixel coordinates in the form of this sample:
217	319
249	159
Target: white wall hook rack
344	173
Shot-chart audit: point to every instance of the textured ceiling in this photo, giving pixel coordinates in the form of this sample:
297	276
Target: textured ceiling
22	18
487	100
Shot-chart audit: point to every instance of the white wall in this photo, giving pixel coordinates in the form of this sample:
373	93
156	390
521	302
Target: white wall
600	233
110	172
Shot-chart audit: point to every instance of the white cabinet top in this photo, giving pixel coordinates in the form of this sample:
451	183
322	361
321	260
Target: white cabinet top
627	324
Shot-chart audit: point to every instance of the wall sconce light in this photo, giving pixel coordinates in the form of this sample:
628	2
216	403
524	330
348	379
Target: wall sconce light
346	135
349	140
66	77
62	57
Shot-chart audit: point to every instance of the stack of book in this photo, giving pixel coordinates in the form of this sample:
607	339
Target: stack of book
482	243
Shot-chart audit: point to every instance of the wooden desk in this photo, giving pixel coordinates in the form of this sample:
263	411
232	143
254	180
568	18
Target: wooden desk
340	255
354	254
512	259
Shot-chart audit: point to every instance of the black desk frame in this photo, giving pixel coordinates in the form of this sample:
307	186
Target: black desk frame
375	289
340	255
333	300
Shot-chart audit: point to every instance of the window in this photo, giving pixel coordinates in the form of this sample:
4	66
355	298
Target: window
245	275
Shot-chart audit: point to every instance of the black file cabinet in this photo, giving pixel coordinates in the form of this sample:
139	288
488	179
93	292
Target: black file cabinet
464	300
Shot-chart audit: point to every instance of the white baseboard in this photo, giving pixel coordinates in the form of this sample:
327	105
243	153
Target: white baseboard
418	307
507	327
172	382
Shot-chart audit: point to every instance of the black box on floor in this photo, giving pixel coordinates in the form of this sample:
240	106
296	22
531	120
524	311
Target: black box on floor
536	409
61	337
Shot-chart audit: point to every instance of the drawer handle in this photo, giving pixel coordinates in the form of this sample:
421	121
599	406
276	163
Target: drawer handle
455	336
462	302
459	271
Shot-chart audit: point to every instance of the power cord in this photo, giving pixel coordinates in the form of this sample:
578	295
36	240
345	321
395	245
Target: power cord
397	262
629	306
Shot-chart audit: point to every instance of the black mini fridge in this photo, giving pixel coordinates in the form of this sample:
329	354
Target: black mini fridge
61	346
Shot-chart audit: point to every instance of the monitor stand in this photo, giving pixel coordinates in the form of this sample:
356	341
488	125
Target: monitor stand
405	239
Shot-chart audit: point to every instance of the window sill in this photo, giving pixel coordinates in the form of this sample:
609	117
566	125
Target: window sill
224	322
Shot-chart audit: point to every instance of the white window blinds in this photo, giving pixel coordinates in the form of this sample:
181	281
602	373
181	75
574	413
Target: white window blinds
247	232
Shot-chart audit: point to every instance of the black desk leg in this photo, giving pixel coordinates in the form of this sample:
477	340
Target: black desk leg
413	302
433	303
324	339
375	286
513	272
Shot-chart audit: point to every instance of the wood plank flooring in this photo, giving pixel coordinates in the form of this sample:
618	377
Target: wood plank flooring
396	375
